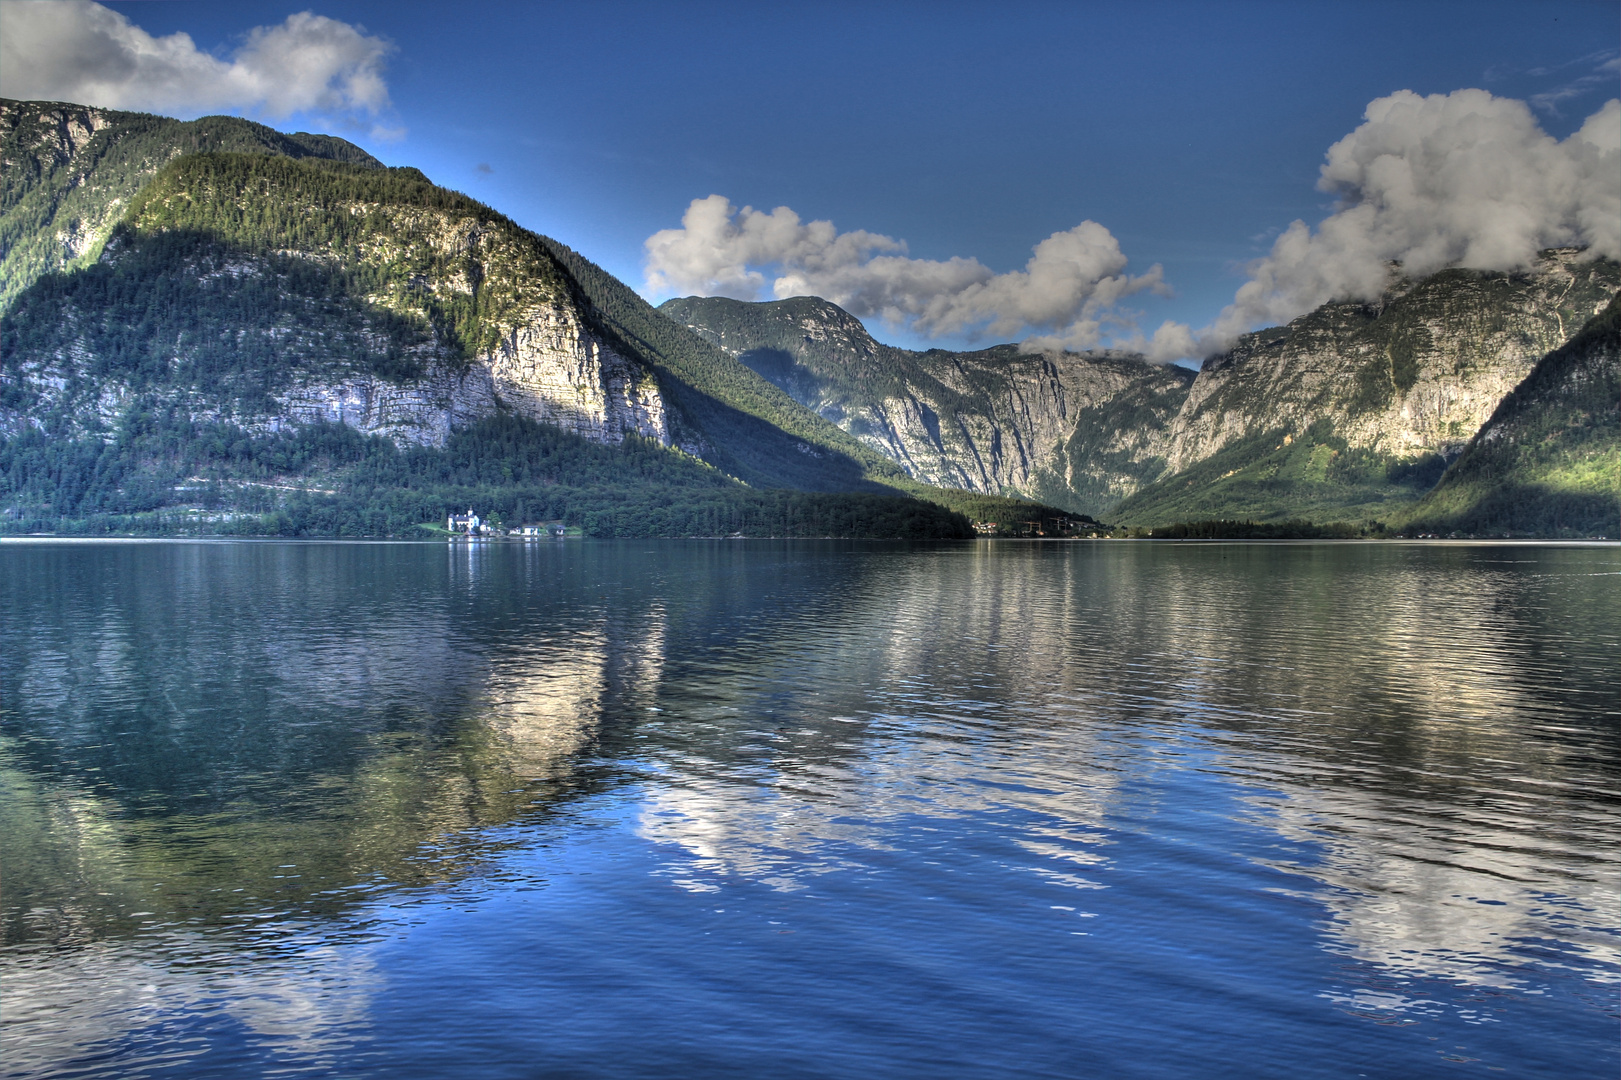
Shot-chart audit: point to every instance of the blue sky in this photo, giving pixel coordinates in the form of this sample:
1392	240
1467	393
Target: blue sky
1192	132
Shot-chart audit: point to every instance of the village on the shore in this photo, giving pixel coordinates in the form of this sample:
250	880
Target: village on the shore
472	526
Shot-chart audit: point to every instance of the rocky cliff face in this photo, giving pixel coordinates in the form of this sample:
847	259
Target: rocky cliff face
1352	411
996	421
1414	374
550	369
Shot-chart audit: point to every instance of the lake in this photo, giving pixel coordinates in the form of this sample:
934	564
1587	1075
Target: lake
809	809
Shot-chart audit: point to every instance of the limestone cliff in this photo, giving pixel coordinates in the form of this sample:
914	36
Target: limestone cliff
1351	412
1548	461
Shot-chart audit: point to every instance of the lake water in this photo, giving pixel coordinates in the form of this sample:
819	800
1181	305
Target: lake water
799	809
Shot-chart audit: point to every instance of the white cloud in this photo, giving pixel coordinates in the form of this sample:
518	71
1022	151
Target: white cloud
1459	179
74	50
1070	285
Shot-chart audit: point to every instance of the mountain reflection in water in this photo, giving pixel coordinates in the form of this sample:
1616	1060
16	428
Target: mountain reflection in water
686	808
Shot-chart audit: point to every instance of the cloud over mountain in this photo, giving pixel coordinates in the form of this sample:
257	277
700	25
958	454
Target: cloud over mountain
1460	179
75	50
1069	286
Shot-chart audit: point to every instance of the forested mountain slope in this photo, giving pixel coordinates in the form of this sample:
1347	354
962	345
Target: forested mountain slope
68	173
286	335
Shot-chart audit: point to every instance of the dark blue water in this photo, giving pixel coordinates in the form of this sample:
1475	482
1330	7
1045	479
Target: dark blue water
693	809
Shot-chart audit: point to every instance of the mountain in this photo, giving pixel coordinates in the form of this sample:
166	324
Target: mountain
1548	461
278	333
1071	429
1353	411
1350	412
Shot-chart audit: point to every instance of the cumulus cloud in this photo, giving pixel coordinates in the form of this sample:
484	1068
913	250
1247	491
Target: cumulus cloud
1070	286
75	50
1459	179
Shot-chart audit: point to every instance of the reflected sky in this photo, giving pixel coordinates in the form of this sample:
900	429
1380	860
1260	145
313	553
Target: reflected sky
1047	808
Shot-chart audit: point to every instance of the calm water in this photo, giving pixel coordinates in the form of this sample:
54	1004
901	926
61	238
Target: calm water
758	809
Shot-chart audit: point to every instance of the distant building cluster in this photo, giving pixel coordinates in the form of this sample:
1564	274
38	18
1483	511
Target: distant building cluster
1066	527
472	524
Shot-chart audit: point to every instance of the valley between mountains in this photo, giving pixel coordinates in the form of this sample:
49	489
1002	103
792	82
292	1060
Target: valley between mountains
211	326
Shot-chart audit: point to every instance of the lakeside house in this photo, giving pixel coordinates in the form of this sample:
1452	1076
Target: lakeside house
536	531
469	523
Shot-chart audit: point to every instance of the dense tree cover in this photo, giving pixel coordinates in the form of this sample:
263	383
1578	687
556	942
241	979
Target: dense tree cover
168	474
233	337
1548	462
47	196
1292	529
388	237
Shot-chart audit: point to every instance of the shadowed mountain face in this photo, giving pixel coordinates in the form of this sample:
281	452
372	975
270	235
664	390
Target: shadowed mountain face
1352	411
1073	430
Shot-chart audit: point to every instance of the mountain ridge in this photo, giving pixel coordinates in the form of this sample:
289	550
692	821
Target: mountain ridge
1350	412
1548	461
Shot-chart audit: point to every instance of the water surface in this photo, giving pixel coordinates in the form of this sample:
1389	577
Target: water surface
809	809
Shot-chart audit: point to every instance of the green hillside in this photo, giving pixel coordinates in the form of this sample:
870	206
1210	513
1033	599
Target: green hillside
71	171
1279	475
